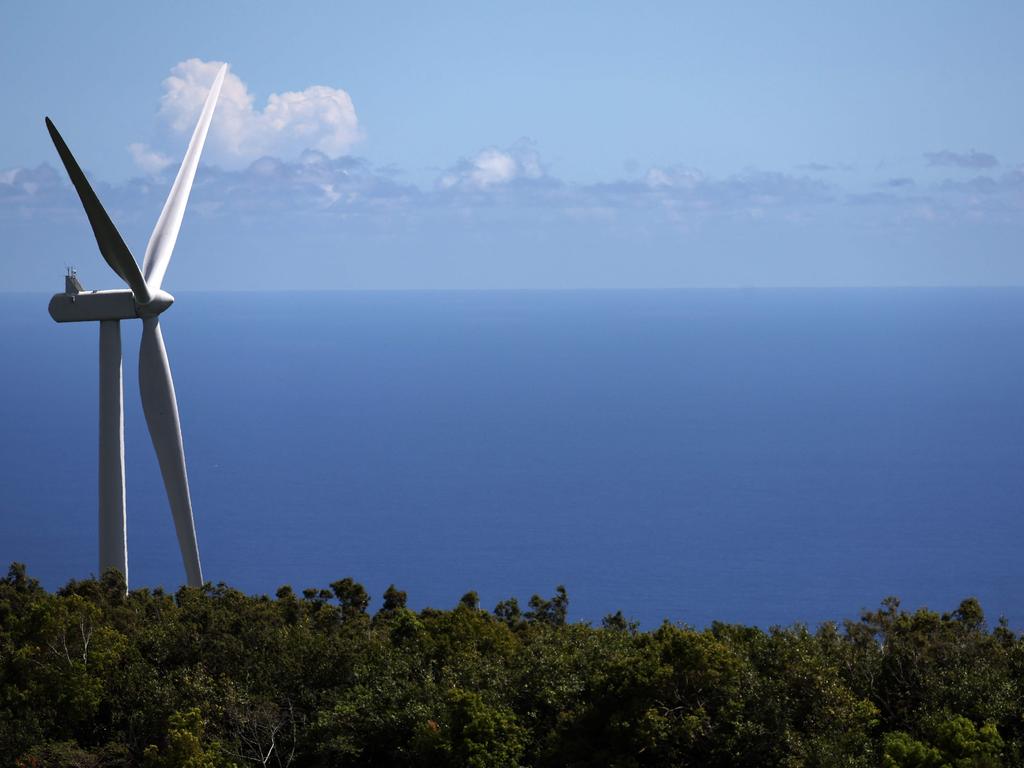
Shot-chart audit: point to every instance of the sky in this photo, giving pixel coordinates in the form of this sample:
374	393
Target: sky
534	145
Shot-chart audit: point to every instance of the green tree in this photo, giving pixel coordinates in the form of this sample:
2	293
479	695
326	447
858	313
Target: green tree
471	734
184	746
352	597
552	612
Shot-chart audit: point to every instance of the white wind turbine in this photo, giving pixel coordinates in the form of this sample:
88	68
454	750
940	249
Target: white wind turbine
146	301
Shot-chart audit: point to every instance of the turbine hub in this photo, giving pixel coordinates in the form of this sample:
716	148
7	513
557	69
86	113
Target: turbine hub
161	301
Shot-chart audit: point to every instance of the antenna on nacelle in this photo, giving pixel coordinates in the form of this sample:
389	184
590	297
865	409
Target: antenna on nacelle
72	285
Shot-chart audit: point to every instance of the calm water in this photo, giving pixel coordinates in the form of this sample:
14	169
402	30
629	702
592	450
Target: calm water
754	456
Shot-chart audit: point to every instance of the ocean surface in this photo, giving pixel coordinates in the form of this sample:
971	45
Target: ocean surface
757	456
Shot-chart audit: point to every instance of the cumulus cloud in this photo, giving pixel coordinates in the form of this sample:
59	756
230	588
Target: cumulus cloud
970	159
320	117
492	166
148	160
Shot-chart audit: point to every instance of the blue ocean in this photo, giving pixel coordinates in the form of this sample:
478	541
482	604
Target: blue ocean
756	456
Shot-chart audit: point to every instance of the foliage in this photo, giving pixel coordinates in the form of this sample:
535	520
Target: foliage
185	747
92	677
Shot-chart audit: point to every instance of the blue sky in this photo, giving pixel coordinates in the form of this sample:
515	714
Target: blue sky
553	145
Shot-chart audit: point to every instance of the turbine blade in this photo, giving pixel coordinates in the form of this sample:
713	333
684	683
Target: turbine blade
109	240
161	409
161	242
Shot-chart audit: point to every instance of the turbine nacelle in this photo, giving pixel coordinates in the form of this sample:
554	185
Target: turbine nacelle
117	304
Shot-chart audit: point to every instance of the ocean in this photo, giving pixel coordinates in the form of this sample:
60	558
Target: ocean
756	456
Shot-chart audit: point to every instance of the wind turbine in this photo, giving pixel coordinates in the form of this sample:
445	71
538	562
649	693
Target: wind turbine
145	300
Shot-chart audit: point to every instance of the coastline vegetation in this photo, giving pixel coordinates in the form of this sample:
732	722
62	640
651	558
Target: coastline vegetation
91	677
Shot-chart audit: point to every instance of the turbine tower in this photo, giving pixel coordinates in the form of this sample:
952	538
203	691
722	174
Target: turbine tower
146	301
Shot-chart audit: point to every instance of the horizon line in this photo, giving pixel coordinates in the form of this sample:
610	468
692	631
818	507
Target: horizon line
575	289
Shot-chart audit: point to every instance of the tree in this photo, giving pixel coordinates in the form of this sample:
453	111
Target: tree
552	612
508	612
952	741
184	745
472	734
92	677
351	596
393	599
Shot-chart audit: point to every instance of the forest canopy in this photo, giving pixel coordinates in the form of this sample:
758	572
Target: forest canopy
91	676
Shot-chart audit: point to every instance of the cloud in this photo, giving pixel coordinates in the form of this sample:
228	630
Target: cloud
315	184
684	194
493	166
504	221
970	159
148	160
319	117
496	185
676	176
503	181
29	192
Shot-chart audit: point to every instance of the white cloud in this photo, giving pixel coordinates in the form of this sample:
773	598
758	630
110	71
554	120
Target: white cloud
147	159
492	166
319	117
674	176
